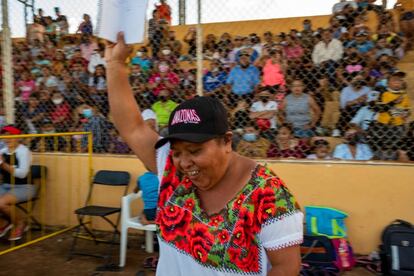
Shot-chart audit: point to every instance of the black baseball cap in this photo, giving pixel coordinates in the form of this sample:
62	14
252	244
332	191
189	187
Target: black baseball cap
197	120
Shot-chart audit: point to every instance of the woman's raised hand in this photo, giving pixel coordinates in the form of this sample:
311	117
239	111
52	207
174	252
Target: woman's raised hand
117	52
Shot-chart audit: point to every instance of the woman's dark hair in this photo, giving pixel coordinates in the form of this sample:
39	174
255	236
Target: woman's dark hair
320	142
95	77
286	125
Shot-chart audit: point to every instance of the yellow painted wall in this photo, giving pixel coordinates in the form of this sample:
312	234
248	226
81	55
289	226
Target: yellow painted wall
373	194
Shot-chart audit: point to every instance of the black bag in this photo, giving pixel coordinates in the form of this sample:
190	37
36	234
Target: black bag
397	249
318	251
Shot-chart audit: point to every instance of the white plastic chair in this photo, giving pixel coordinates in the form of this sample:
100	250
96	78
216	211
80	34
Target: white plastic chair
133	222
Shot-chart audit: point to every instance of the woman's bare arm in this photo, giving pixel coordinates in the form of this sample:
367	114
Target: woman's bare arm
124	109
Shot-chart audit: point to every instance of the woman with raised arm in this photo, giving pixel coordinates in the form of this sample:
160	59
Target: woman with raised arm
218	213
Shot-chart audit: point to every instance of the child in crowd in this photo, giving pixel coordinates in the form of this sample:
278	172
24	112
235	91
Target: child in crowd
321	150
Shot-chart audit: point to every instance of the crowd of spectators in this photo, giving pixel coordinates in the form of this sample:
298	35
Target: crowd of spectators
284	91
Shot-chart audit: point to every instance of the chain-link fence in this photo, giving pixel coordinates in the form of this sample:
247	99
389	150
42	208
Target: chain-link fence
311	87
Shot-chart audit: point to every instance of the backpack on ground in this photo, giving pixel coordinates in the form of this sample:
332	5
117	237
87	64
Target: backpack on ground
397	249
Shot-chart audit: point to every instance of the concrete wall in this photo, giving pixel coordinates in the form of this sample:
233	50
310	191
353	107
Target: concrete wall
373	194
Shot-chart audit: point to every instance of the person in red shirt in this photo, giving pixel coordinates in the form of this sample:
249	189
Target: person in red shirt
163	79
60	113
163	11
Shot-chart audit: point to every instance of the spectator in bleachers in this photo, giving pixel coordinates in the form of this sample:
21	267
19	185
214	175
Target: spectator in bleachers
300	110
167	56
256	44
25	86
352	98
321	150
237	46
269	42
78	73
274	67
97	58
35	32
41	17
362	43
160	37
116	144
85	27
32	114
142	59
338	7
383	48
87	46
99	125
163	11
328	100
51	30
210	46
60	113
286	145
47	79
163	78
175	45
62	23
97	82
225	42
163	107
77	58
215	79
42	59
50	143
137	77
247	47
293	51
353	148
251	144
327	53
264	113
59	62
243	78
406	151
368	113
354	64
307	36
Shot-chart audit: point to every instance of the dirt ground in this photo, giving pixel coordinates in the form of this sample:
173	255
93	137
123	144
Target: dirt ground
49	257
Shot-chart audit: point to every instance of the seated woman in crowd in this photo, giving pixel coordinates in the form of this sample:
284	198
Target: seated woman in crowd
300	110
354	147
15	161
97	85
274	67
286	145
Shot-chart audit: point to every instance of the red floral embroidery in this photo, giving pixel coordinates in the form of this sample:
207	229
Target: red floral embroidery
189	204
173	221
186	183
216	220
264	201
238	202
249	262
223	236
201	241
245	229
183	244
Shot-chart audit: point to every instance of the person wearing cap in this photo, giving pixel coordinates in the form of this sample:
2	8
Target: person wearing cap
15	162
206	189
243	78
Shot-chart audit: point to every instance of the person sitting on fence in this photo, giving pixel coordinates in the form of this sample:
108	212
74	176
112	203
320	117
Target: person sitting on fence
321	150
286	145
353	148
15	162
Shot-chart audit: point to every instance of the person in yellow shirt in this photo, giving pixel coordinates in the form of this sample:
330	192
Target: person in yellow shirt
395	102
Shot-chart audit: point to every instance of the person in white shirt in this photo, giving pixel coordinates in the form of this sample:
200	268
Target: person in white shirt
97	58
15	161
328	49
367	114
265	108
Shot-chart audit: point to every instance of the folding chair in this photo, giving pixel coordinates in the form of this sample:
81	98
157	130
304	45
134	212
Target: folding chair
127	221
37	173
108	178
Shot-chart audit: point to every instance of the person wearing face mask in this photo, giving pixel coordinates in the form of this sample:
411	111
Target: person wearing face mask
50	143
163	108
166	55
243	79
215	79
353	148
141	58
264	112
60	113
96	123
251	144
163	79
